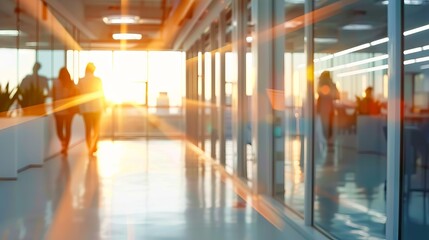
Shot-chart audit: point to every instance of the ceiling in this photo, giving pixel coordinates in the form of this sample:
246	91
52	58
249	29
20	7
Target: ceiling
154	12
169	16
370	12
160	22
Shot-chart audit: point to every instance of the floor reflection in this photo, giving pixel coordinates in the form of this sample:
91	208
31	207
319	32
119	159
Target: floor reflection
349	188
349	192
294	174
154	189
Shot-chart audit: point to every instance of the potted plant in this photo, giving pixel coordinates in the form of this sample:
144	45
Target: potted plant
32	100
7	98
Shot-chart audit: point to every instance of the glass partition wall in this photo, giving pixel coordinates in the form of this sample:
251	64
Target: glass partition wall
33	32
350	117
289	170
336	169
415	162
349	128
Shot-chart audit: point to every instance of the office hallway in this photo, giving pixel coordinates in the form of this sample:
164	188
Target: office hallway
154	189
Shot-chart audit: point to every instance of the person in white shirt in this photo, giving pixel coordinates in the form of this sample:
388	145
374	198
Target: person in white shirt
91	87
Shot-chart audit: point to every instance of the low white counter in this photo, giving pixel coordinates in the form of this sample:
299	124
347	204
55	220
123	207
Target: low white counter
29	141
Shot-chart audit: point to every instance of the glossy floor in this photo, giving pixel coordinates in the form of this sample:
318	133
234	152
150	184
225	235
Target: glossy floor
349	196
153	189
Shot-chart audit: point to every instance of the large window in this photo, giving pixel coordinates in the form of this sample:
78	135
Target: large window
126	74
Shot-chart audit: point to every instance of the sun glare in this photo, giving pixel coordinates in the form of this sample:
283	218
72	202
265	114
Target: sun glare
127	74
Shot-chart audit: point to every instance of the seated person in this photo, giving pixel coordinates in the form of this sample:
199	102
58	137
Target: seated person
368	105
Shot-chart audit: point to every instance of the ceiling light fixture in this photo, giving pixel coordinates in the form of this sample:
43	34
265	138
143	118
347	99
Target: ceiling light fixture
408	2
330	56
9	33
325	40
422	59
37	44
382	67
353	49
121	19
149	21
416	30
129	19
296	1
127	36
360	71
374	59
249	39
410	61
357	27
379	41
413	50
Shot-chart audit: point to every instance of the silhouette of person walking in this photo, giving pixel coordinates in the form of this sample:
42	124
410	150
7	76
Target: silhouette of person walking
328	93
63	88
35	80
91	87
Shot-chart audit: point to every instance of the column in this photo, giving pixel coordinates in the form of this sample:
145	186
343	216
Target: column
309	116
277	94
202	102
213	111
262	113
239	103
395	112
222	96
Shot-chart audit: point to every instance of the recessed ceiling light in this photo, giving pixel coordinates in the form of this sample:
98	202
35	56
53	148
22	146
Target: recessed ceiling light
413	50
149	21
296	1
379	41
129	19
121	19
325	40
9	33
409	2
357	27
127	36
249	39
113	45
37	44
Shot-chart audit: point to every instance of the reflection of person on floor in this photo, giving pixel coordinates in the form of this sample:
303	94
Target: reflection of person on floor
328	93
90	86
368	105
326	192
63	88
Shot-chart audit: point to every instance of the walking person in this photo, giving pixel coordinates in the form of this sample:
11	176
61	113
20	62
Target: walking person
91	88
328	93
35	80
63	88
